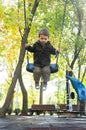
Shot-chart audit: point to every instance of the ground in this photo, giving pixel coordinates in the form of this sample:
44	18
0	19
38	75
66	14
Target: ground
42	122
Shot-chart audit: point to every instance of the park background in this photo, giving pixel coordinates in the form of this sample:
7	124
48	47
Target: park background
20	22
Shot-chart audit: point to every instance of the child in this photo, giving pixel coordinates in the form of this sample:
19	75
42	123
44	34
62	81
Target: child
42	50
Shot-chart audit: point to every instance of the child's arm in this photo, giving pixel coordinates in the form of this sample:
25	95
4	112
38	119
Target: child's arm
54	51
57	51
29	48
26	46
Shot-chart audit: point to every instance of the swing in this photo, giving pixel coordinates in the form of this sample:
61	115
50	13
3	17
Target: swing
30	66
53	67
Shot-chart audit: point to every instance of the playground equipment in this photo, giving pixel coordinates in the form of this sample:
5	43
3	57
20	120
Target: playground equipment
53	68
79	87
30	66
42	108
81	92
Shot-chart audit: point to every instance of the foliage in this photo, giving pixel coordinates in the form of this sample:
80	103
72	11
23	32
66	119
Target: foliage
49	15
32	96
1	95
9	111
17	111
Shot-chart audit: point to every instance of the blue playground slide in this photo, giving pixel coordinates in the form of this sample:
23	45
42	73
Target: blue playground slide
79	87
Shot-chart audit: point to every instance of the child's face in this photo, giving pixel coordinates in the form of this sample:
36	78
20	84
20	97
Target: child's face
43	39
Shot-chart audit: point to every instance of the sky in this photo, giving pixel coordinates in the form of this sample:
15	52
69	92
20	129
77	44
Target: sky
11	2
3	73
3	77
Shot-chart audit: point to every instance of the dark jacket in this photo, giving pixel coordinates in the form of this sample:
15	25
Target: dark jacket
42	54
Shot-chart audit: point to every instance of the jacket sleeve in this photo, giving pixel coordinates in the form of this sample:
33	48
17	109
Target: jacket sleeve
53	50
30	48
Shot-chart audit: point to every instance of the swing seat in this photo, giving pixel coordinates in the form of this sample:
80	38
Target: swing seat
53	67
30	67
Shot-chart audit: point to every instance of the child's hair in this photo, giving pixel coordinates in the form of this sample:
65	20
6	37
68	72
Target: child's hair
44	32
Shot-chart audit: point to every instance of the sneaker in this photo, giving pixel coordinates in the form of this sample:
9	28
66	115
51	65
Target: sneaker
44	85
36	85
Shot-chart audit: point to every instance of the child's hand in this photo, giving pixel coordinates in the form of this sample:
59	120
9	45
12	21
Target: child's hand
26	45
57	51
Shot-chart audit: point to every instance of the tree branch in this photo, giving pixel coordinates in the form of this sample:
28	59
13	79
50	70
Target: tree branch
24	12
19	19
33	11
83	74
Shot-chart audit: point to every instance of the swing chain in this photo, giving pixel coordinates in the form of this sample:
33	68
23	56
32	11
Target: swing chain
27	57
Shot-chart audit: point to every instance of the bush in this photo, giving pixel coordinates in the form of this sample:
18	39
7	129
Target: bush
9	111
17	111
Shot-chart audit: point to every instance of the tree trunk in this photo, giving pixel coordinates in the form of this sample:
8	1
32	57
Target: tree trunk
14	80
17	72
25	97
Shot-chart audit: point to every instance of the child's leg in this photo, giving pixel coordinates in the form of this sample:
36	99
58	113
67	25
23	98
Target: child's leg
37	74
46	73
